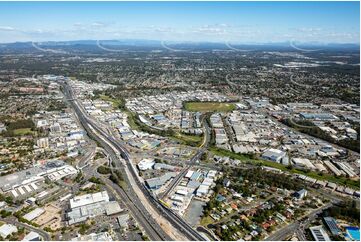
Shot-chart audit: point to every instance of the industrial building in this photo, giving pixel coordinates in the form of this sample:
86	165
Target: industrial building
319	234
333	168
303	163
26	182
34	214
123	220
32	236
346	168
274	155
318	116
332	226
87	199
104	236
91	205
146	164
7	229
157	182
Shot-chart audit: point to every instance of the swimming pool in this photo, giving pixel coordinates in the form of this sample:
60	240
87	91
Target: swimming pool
353	233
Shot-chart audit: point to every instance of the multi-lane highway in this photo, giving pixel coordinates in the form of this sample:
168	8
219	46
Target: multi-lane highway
151	227
115	149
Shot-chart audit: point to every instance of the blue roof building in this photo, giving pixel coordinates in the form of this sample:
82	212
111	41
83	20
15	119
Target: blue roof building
332	225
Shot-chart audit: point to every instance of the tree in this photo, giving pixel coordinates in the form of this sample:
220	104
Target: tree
104	170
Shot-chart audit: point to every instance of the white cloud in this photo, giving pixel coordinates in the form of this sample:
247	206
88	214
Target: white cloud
6	28
78	25
98	24
209	32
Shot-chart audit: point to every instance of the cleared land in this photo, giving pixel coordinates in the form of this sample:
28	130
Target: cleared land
209	107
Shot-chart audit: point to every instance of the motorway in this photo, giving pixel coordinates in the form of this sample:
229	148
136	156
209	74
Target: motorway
151	227
117	152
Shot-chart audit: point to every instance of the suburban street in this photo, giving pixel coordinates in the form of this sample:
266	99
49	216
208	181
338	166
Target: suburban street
42	233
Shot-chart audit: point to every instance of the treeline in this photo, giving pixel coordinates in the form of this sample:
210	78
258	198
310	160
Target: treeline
213	203
212	140
56	106
145	128
18	124
346	209
319	133
262	178
117	178
119	101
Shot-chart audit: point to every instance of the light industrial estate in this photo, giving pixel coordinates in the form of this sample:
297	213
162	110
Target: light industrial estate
180	121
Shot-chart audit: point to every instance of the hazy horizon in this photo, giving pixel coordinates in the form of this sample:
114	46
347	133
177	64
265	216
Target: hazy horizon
235	22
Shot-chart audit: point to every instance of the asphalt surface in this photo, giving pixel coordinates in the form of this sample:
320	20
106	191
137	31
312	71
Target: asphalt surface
297	226
13	221
205	231
175	182
318	140
153	230
113	147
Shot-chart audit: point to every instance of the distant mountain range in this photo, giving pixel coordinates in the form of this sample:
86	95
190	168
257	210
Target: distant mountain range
179	44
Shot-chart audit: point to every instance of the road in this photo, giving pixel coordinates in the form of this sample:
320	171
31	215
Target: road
84	161
12	220
299	84
281	234
318	140
297	226
207	233
118	153
151	227
203	147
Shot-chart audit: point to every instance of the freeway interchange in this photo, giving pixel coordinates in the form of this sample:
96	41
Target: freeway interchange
121	158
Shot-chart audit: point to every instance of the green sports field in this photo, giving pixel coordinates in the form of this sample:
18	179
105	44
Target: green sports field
209	107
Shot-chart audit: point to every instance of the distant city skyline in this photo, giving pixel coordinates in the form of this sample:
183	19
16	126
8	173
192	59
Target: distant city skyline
237	22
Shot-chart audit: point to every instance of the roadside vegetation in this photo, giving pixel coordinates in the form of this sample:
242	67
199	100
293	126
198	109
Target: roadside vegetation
116	102
341	180
117	178
186	139
307	127
348	210
136	124
104	170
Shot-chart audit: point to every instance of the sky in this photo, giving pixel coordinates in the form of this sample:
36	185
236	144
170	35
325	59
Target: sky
236	22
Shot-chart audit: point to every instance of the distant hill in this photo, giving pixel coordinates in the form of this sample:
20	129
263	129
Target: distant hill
177	45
